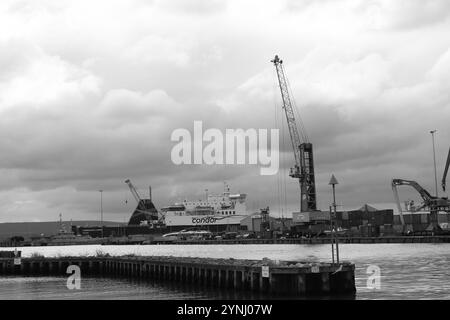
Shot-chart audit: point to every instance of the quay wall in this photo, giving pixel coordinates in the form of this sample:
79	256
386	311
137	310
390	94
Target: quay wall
320	240
266	276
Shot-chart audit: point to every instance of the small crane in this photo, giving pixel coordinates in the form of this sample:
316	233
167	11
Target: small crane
303	169
145	211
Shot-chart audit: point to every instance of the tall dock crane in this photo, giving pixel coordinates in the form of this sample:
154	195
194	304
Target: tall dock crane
303	169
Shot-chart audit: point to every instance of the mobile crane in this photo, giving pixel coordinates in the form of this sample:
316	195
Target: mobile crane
432	203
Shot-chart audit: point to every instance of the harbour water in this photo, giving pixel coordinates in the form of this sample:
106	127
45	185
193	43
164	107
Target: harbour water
408	271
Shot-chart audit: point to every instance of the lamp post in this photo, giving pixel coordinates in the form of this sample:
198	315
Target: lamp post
434	161
333	182
101	209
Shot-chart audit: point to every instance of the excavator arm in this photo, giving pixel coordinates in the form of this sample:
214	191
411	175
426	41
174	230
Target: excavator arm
397	201
426	196
434	204
444	177
428	199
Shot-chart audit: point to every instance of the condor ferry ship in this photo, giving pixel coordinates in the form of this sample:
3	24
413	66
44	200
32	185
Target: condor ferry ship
216	213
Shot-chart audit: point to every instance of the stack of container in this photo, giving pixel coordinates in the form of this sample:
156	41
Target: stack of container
356	218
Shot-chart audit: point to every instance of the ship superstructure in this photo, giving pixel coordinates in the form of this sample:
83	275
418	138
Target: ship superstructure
215	210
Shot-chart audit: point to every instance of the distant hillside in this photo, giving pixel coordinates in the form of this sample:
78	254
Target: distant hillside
26	229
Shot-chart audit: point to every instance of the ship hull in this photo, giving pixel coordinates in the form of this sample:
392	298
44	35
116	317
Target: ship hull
202	220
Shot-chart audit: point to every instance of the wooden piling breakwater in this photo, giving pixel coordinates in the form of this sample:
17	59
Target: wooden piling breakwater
266	276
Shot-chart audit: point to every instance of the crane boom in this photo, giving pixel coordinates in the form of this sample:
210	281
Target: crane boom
289	110
133	191
444	177
303	151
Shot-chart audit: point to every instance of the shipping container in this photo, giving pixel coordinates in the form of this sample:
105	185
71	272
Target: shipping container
300	217
345	224
355	215
355	222
389	217
424	218
443	217
378	220
387	229
419	227
408	218
416	219
319	216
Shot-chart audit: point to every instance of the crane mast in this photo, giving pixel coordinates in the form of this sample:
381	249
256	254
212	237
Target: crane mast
303	169
444	176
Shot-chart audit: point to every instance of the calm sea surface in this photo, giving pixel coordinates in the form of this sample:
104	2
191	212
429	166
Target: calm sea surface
408	271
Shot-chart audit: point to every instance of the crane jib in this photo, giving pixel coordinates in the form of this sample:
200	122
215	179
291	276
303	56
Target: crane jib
444	176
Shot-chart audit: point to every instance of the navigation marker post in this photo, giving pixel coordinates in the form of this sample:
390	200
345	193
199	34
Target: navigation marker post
334	240
101	209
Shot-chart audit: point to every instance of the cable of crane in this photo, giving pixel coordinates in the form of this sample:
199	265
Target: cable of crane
301	124
282	173
283	169
297	113
277	125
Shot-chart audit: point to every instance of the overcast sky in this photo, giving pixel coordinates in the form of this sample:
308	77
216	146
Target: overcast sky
90	92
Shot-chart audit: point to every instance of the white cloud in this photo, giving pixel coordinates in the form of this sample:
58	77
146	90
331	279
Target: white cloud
125	106
155	49
405	14
42	80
